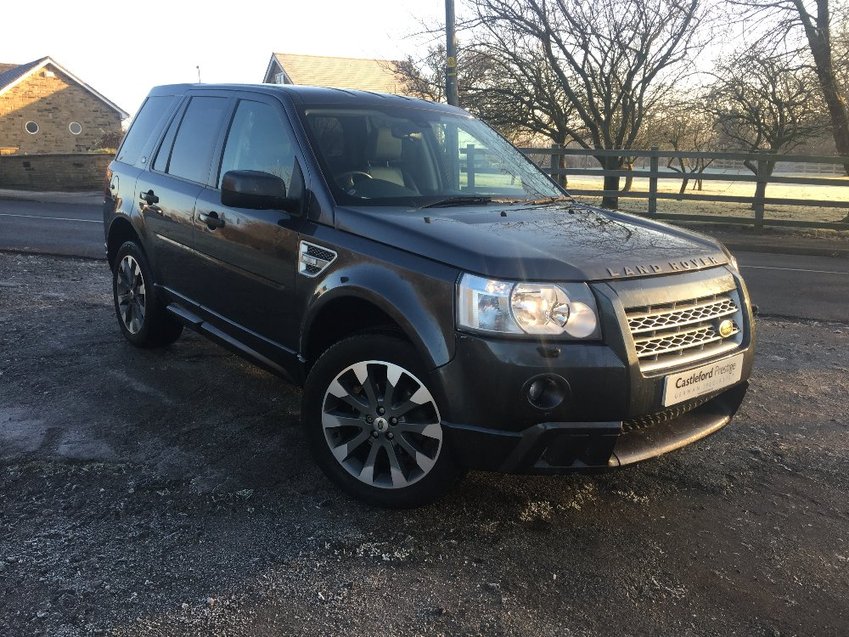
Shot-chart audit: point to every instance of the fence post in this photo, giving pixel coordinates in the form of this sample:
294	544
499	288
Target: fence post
470	166
760	194
556	166
653	168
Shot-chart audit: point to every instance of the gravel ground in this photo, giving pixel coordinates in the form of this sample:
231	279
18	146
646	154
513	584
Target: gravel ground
171	493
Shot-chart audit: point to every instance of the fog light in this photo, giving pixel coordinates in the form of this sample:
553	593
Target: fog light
546	392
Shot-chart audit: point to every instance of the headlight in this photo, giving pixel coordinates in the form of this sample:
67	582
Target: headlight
503	307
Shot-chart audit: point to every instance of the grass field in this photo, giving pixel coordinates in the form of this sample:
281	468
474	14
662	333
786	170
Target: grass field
733	188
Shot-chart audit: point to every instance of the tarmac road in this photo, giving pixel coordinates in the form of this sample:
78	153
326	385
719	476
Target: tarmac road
797	286
52	228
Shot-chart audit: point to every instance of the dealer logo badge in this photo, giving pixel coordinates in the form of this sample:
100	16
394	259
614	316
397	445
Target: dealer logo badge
726	328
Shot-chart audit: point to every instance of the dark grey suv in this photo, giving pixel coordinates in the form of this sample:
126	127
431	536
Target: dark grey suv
444	304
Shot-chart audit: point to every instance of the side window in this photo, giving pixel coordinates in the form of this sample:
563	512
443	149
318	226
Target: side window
259	139
147	123
196	138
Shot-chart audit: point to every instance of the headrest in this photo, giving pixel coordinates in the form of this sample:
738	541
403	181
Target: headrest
384	146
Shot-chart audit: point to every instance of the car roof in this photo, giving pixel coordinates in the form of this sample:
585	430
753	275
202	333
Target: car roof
314	95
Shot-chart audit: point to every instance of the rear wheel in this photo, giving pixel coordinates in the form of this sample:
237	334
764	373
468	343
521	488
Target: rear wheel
141	316
374	425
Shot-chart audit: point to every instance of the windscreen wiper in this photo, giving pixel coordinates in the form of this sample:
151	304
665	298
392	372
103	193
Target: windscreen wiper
458	200
542	200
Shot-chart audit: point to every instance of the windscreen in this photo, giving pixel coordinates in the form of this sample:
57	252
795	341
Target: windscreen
416	157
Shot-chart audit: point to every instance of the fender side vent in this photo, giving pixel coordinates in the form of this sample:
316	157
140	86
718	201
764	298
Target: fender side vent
313	259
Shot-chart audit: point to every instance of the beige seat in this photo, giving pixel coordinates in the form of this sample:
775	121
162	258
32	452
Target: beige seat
384	153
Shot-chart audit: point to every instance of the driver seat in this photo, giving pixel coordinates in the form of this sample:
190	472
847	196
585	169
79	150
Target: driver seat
383	156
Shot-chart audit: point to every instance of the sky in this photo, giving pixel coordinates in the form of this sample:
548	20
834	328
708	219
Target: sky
122	49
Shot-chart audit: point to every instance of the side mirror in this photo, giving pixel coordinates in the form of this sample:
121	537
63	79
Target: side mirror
256	190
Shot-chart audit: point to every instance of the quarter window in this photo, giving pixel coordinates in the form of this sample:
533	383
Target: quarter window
145	125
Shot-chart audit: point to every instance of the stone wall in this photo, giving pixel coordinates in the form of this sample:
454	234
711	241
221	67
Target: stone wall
72	172
53	102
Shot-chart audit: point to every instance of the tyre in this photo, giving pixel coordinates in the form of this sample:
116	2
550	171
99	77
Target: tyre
141	315
373	424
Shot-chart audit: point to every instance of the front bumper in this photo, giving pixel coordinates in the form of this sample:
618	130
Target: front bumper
557	447
612	413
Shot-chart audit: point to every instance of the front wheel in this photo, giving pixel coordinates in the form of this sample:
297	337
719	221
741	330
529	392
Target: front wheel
373	424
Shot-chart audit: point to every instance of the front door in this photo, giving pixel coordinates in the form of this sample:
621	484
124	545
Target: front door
250	255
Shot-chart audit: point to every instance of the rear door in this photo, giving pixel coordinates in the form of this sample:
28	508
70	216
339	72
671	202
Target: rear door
250	255
168	191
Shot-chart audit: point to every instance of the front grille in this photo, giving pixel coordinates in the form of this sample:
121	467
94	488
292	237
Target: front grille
685	331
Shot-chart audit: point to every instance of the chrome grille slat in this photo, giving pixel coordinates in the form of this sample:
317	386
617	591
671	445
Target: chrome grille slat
684	331
681	315
676	342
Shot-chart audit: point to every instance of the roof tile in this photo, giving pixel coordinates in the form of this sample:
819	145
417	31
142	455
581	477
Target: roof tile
336	72
12	72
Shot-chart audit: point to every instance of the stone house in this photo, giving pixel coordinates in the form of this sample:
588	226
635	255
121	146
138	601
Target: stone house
45	109
335	72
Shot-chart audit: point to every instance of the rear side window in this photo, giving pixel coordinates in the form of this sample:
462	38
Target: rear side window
197	137
147	123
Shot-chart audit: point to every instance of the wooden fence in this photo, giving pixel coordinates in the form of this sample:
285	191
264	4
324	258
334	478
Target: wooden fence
557	166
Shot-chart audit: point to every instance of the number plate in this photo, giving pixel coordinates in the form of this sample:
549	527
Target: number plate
702	380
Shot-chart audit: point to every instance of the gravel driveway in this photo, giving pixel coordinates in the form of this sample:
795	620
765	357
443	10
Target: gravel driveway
171	492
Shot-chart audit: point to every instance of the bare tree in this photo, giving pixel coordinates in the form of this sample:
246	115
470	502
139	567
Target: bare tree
765	102
813	18
684	125
424	77
608	61
515	99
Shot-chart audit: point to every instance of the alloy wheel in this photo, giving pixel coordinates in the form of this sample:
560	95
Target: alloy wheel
381	424
130	293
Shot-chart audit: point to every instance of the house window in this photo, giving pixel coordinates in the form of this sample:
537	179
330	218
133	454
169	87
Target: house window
31	127
75	128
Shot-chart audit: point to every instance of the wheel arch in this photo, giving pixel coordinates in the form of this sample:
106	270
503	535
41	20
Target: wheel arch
356	306
121	230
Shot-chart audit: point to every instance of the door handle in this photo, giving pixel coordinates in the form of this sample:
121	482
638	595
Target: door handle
148	197
211	219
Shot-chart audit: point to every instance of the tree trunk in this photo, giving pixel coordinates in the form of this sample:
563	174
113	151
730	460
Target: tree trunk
611	183
610	201
684	182
819	39
760	186
561	164
839	119
629	180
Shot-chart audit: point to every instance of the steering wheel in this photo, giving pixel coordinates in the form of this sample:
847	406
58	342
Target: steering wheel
348	180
